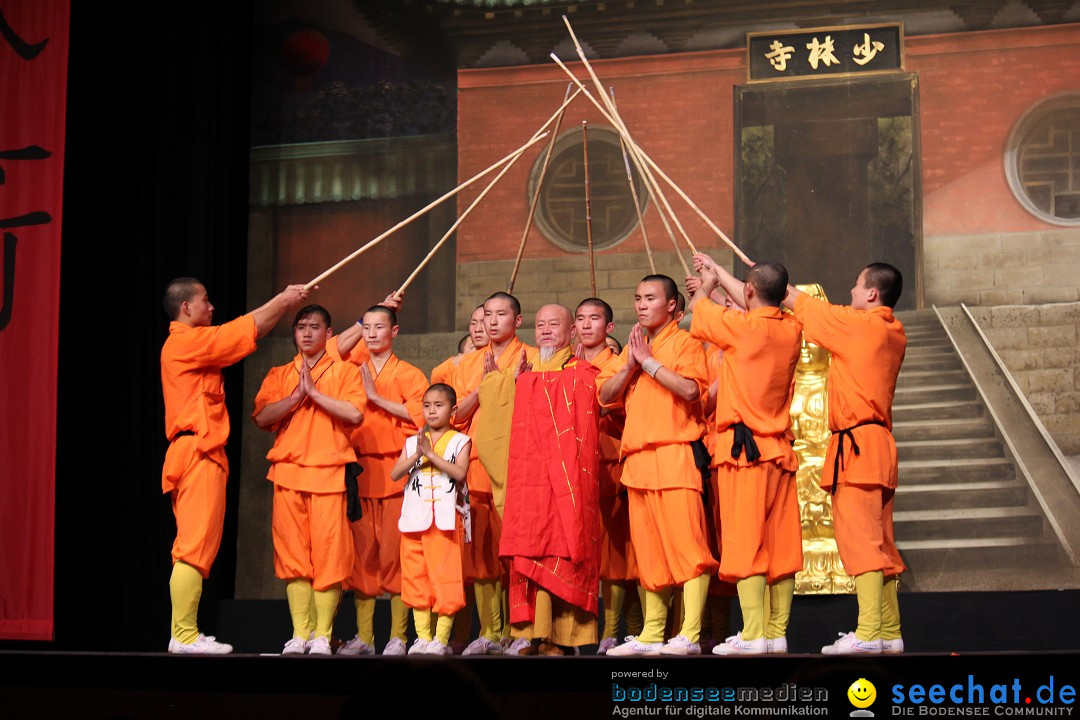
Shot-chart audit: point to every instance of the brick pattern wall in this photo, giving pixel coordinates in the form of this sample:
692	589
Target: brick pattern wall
678	108
1039	345
973	87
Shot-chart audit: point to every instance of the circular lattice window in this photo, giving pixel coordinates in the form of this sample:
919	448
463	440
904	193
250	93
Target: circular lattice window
560	211
1042	159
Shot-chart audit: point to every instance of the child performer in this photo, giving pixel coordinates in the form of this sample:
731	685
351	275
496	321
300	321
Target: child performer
436	462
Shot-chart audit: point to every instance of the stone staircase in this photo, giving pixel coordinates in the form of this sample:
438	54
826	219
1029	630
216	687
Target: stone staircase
961	505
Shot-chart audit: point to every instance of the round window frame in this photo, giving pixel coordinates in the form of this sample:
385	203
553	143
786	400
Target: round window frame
1020	129
597	134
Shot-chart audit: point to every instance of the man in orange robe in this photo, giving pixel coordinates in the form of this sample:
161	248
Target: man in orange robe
594	320
760	531
502	316
867	344
475	340
309	405
394	391
197	426
659	379
551	513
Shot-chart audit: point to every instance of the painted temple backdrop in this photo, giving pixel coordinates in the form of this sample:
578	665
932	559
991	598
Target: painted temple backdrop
941	137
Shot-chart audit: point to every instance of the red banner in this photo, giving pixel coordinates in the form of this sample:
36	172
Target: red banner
33	90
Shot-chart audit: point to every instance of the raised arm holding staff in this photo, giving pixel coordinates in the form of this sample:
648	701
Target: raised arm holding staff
757	508
867	343
197	426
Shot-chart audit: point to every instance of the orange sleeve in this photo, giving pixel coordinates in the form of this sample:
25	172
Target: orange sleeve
444	372
217	345
273	389
712	323
690	361
412	384
352	387
825	324
357	356
607	371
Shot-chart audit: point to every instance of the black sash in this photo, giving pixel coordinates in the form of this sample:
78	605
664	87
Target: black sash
352	491
744	438
703	462
182	433
838	461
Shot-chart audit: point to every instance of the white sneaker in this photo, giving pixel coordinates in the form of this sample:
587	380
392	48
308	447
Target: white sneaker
437	647
396	646
680	645
633	646
892	647
356	646
606	644
320	646
419	647
203	645
296	646
515	647
735	645
848	644
776	646
483	646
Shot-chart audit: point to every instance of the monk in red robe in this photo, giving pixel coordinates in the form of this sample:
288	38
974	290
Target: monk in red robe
551	513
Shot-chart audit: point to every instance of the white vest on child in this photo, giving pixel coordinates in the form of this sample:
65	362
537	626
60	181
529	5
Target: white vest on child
430	494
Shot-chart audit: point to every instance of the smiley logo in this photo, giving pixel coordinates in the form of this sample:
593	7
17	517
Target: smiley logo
862	693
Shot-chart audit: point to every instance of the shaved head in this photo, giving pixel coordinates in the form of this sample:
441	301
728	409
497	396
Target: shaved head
554	326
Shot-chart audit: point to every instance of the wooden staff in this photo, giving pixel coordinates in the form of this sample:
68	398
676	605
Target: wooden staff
622	127
540	133
633	194
508	159
588	205
653	185
435	249
536	193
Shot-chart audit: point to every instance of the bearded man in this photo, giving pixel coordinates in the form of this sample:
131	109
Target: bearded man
550	504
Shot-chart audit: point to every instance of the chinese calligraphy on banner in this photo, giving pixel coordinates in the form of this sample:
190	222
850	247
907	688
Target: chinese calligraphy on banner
33	88
825	52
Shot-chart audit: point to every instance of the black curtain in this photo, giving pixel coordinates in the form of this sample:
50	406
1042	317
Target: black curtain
155	188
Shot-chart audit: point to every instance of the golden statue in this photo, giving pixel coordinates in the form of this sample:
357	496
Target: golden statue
822	572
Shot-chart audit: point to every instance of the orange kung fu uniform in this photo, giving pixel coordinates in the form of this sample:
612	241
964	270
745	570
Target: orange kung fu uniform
867	349
757	498
444	371
378	442
717	587
481	561
197	425
667	520
311	533
616	551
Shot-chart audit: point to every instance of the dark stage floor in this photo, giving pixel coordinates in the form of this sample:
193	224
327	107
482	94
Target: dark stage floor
998	654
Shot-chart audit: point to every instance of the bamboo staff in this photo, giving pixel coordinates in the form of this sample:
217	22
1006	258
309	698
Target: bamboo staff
622	127
536	193
508	159
540	133
654	186
633	194
588	206
461	219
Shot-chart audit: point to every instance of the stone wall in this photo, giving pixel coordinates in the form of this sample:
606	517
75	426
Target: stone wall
1023	268
1038	344
566	280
